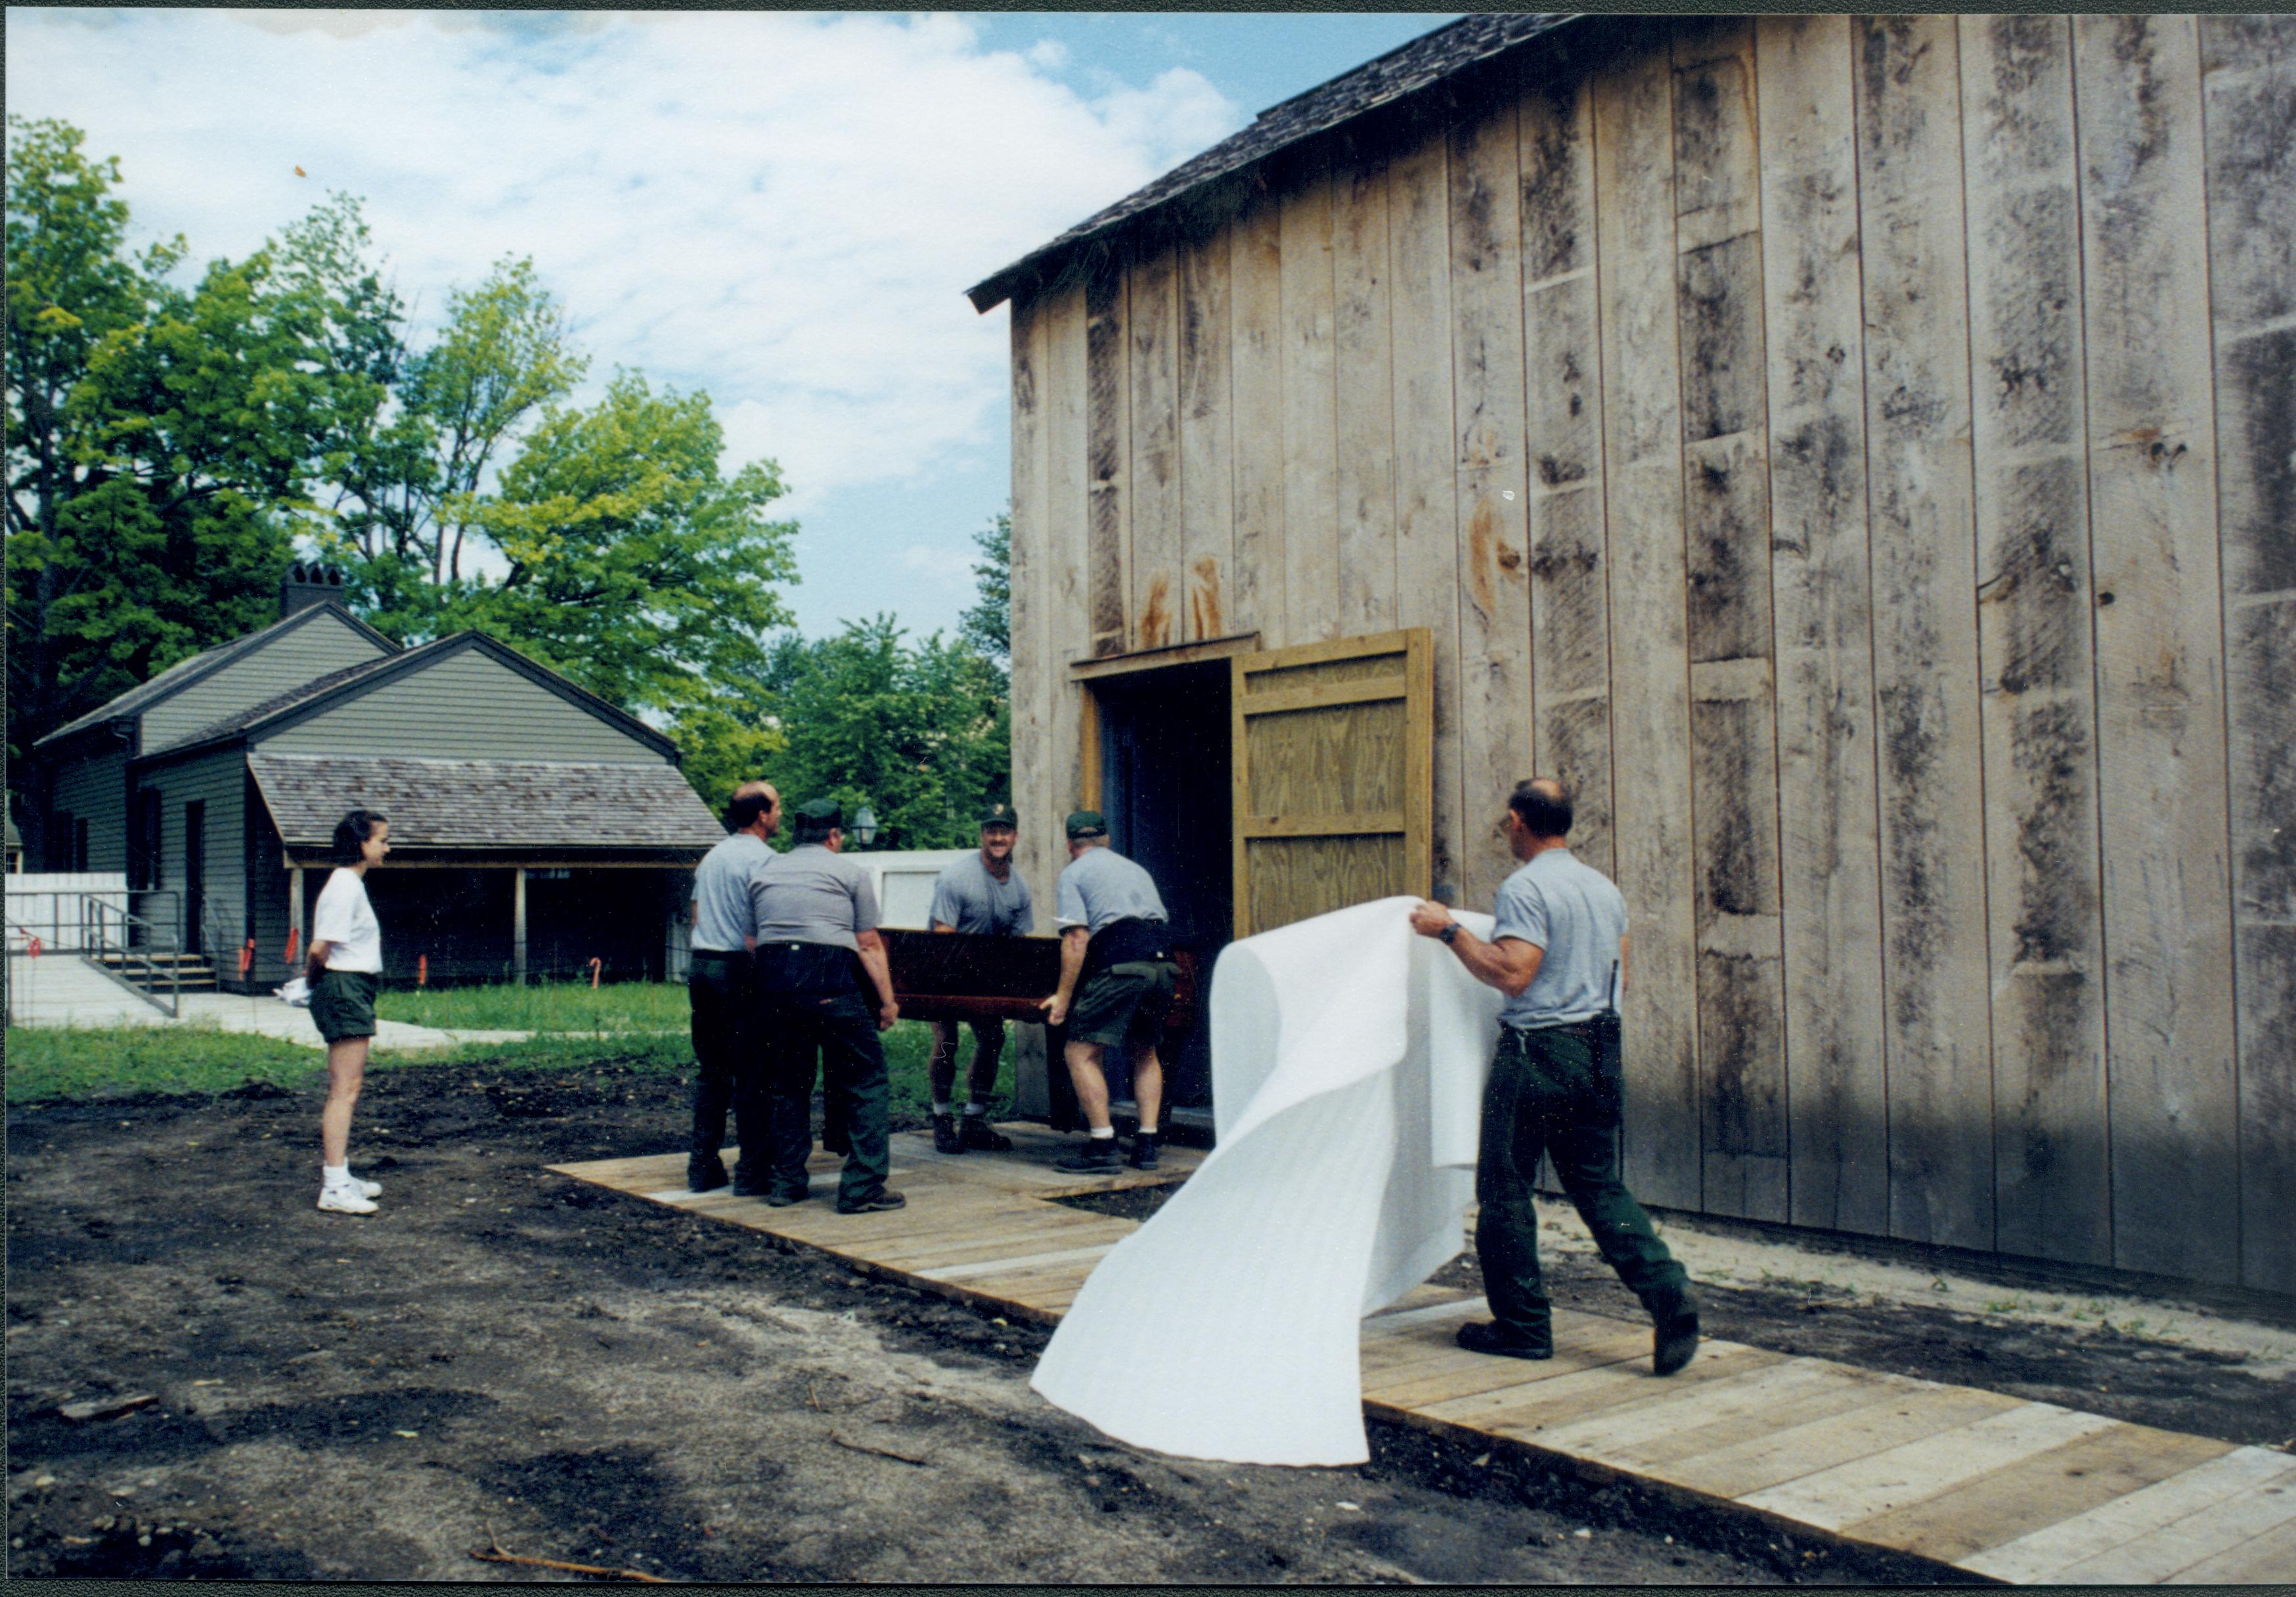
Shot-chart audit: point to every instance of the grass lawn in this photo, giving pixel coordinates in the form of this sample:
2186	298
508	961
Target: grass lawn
47	1063
551	1007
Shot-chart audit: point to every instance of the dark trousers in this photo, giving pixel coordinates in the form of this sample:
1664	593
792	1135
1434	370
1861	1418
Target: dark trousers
838	1033
731	1066
988	1047
1548	1095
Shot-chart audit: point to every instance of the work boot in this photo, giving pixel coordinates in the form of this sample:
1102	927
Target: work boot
782	1197
880	1203
1481	1336
1674	1340
1144	1145
705	1173
977	1133
748	1182
1099	1155
946	1137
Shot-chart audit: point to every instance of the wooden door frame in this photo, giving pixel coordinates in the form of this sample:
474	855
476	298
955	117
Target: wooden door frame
1084	673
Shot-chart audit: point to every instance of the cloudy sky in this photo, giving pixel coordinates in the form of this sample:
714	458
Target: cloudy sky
781	208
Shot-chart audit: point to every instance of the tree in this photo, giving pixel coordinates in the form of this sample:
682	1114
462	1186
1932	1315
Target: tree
988	624
160	439
920	734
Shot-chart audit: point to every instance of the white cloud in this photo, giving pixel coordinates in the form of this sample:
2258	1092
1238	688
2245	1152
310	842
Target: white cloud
1049	56
950	568
782	208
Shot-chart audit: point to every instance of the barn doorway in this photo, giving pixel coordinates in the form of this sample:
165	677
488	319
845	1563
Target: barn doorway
1162	755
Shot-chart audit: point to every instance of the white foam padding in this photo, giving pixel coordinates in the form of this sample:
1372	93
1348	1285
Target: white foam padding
1349	1056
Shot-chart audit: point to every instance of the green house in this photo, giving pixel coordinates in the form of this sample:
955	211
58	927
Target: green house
536	828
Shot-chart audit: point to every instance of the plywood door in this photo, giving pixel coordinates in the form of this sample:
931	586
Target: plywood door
1333	775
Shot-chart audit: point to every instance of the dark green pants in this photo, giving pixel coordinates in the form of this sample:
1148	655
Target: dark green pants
728	1073
1546	1095
841	1034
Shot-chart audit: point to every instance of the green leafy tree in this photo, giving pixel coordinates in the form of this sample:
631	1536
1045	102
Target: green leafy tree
161	439
920	733
988	624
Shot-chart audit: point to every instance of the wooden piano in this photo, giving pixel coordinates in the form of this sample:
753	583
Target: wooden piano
964	975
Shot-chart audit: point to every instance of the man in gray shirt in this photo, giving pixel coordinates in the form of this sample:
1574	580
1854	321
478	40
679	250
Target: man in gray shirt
982	895
728	1071
1117	975
815	915
1558	951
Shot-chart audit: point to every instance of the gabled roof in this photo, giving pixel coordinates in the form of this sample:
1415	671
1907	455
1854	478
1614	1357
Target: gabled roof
321	694
499	807
183	673
1420	65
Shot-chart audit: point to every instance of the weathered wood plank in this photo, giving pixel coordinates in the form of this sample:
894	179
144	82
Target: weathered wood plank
1807	1390
1726	515
2166	1553
1525	1410
1311	535
1363	372
2248	105
1067	620
1921	525
1892	1420
1107	449
1151	324
2035	609
1426	504
1829	871
2161	711
1569	615
1207	436
1885	1482
1256	376
1650	669
1495	711
1036	668
2044	1555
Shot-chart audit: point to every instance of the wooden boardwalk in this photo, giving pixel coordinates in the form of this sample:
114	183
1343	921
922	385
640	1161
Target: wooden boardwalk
2021	1492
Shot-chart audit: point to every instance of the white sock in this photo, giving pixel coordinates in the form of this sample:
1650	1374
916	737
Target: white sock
337	1175
1099	1132
976	1107
1147	1130
942	1108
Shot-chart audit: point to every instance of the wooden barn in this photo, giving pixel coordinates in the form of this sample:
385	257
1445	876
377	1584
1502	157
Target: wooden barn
534	826
1856	456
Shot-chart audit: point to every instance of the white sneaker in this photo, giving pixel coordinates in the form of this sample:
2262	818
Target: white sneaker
367	1189
345	1200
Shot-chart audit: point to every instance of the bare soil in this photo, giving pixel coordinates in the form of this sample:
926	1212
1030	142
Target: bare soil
503	1356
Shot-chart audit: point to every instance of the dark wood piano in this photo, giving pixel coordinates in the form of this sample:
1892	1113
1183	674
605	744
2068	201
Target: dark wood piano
962	975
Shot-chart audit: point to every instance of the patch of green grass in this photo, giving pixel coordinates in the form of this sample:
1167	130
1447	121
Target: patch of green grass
550	1006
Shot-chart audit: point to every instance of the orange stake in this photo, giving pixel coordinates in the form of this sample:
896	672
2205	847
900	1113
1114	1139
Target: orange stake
421	970
595	966
246	959
294	936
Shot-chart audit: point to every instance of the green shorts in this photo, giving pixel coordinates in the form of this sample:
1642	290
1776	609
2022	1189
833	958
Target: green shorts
342	1005
1124	1004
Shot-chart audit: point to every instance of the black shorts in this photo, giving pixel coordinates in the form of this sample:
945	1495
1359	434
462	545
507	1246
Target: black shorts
342	1005
1124	1005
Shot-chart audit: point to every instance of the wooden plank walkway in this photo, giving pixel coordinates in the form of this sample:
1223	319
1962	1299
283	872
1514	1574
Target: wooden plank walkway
2024	1492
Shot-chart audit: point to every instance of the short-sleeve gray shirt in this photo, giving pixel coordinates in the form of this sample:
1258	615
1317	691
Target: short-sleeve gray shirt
1573	911
969	898
721	893
812	895
1101	885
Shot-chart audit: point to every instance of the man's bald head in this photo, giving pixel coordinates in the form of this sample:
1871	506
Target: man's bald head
1543	807
756	804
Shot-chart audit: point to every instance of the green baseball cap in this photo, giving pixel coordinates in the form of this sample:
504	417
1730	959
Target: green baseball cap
999	815
1087	823
821	812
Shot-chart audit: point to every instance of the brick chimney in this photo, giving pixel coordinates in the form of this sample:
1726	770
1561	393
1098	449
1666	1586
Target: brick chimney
306	585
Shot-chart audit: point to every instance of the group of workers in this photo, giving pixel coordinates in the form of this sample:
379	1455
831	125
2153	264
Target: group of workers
789	973
789	977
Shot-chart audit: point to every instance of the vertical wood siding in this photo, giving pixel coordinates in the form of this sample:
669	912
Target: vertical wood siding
1854	454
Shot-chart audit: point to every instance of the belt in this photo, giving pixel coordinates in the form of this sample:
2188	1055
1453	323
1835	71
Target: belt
719	953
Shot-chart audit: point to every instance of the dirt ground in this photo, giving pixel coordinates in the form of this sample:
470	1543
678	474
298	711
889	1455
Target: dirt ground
503	1353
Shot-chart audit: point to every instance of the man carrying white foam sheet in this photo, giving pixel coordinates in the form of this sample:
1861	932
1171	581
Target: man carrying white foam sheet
1557	950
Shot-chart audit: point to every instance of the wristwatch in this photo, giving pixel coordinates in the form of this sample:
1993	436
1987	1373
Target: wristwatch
1449	932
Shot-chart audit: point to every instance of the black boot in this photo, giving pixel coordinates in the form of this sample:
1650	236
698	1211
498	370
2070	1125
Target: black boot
946	1139
1099	1155
1674	1341
1144	1146
704	1172
979	1133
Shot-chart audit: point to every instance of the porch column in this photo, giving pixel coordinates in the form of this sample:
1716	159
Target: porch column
518	926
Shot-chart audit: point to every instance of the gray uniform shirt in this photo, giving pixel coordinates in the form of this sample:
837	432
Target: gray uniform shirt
721	894
1574	912
969	898
1099	885
811	895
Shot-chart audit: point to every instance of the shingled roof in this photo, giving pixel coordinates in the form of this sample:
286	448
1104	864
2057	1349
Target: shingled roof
1418	65
493	807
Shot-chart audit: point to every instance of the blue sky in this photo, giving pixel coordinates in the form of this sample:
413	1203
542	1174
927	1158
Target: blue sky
781	208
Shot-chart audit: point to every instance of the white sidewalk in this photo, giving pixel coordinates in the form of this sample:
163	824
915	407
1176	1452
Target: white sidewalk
63	989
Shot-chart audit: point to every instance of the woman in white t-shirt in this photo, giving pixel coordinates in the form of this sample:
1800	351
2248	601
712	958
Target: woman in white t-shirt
345	968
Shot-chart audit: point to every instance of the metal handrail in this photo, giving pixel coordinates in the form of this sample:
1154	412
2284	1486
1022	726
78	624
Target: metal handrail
103	951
